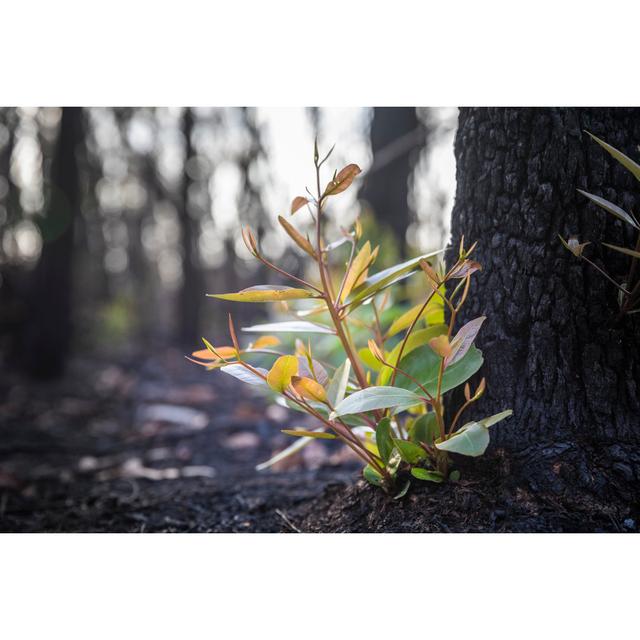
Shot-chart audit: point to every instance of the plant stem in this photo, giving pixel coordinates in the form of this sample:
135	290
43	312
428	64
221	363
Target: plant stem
634	265
408	333
337	322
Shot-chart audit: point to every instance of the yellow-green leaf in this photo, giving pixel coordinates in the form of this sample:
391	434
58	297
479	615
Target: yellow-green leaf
433	314
283	369
379	281
264	293
441	346
416	339
624	160
264	342
309	388
629	252
369	359
297	237
357	273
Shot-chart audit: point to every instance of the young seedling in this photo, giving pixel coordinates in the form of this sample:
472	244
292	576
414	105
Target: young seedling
629	290
385	399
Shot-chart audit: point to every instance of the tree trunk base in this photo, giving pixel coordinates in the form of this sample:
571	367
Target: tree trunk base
607	473
491	497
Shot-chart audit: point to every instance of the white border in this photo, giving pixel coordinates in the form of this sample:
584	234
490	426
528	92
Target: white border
332	52
252	52
322	586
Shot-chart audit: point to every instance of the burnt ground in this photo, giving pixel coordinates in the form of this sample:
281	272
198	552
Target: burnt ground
162	446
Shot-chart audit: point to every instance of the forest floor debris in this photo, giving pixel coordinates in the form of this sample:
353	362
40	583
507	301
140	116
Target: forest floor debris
118	448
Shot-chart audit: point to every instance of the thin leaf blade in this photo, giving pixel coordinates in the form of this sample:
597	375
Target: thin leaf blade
292	326
624	160
242	373
373	398
264	293
613	209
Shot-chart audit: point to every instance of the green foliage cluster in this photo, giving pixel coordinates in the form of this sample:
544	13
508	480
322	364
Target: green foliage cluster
629	290
385	399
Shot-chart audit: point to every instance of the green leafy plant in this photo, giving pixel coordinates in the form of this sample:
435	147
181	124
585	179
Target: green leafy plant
629	290
385	397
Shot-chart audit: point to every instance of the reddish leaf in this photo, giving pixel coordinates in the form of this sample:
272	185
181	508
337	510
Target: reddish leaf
463	340
297	203
343	180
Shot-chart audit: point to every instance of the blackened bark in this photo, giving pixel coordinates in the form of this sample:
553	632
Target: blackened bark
396	133
191	292
553	350
48	330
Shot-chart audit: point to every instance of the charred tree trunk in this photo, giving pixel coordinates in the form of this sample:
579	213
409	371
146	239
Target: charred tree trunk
553	349
396	133
192	289
48	332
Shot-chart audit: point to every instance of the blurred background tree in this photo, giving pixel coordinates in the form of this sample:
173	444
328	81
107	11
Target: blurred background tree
114	222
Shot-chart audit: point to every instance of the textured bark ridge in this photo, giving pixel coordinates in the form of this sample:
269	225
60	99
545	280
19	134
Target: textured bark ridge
553	349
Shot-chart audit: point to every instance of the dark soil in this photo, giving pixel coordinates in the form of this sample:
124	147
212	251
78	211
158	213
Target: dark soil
163	447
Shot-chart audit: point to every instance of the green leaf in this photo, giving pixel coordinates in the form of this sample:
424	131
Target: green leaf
241	373
425	429
416	339
425	474
410	451
383	439
611	208
454	476
403	491
491	420
383	279
301	433
629	252
372	476
423	364
433	314
368	358
265	293
625	161
338	385
358	270
292	326
373	398
471	440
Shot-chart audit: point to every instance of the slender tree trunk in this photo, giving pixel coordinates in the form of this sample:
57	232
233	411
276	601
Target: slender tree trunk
553	350
396	134
48	330
192	290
